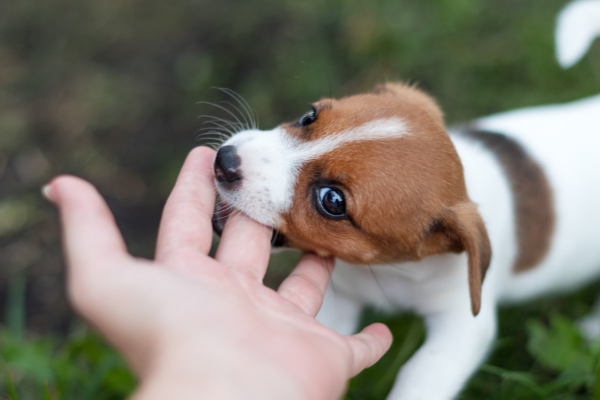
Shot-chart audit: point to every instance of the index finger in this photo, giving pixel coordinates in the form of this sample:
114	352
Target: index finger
245	246
186	221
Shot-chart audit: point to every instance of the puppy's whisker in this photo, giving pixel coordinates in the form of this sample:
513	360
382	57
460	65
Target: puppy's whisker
400	268
232	124
244	104
214	135
335	304
213	125
225	210
210	131
213	142
237	221
215	118
234	214
227	132
379	284
214	132
213	145
224	109
330	271
219	124
240	99
329	83
211	135
223	217
247	123
218	139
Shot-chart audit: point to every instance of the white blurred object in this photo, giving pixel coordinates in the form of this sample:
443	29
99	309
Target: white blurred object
577	26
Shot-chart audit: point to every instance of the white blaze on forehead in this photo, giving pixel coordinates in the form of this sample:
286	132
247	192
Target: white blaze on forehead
270	161
378	129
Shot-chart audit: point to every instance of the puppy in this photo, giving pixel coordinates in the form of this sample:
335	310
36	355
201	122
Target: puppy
452	222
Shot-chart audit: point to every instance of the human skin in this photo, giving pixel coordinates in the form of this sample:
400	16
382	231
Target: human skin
194	327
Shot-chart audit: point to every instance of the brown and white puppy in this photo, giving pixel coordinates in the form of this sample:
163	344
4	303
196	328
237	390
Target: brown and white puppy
377	180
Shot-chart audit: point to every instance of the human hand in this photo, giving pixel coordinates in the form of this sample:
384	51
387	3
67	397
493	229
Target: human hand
191	326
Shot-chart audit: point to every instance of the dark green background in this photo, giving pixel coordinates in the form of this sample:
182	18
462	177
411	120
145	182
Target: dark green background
108	90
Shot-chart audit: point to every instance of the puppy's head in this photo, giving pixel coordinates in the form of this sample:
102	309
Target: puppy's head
371	178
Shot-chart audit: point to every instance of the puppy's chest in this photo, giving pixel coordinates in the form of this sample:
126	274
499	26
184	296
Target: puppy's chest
402	286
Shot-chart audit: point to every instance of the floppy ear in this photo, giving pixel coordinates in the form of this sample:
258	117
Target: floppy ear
462	229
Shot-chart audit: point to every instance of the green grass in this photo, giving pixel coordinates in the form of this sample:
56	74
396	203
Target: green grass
80	366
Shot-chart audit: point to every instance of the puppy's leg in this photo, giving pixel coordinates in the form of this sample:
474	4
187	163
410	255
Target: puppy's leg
456	344
339	312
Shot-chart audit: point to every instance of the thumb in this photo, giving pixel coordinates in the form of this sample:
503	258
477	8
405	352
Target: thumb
369	346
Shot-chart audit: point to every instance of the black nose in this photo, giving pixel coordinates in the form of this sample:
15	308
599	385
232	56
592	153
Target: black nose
227	165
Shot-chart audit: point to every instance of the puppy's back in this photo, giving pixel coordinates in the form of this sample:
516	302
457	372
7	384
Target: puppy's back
565	141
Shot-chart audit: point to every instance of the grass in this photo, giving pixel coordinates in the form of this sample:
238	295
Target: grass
80	366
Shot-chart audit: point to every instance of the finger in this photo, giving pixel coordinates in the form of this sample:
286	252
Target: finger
245	246
307	283
369	346
186	221
90	234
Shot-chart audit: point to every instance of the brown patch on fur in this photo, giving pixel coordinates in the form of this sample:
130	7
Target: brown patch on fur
396	190
532	194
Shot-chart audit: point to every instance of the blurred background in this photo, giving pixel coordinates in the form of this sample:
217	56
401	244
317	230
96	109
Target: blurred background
110	90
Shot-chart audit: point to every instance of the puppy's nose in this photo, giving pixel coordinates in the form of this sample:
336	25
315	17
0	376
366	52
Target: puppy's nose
227	165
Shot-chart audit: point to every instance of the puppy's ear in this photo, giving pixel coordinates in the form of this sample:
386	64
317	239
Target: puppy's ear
462	229
411	94
396	89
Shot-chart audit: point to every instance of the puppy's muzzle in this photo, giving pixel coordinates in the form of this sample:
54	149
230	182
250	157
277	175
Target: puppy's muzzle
229	174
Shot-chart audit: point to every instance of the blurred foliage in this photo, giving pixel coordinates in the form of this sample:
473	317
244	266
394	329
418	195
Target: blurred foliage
82	367
109	90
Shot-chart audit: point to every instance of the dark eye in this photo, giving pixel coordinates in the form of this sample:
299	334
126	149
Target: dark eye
309	117
330	202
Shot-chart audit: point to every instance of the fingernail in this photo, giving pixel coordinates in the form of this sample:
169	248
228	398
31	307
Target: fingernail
46	192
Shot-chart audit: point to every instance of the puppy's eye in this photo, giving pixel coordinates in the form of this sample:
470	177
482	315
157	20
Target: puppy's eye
330	202
309	117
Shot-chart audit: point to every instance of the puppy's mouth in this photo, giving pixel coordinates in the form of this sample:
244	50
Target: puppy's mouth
220	215
223	211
